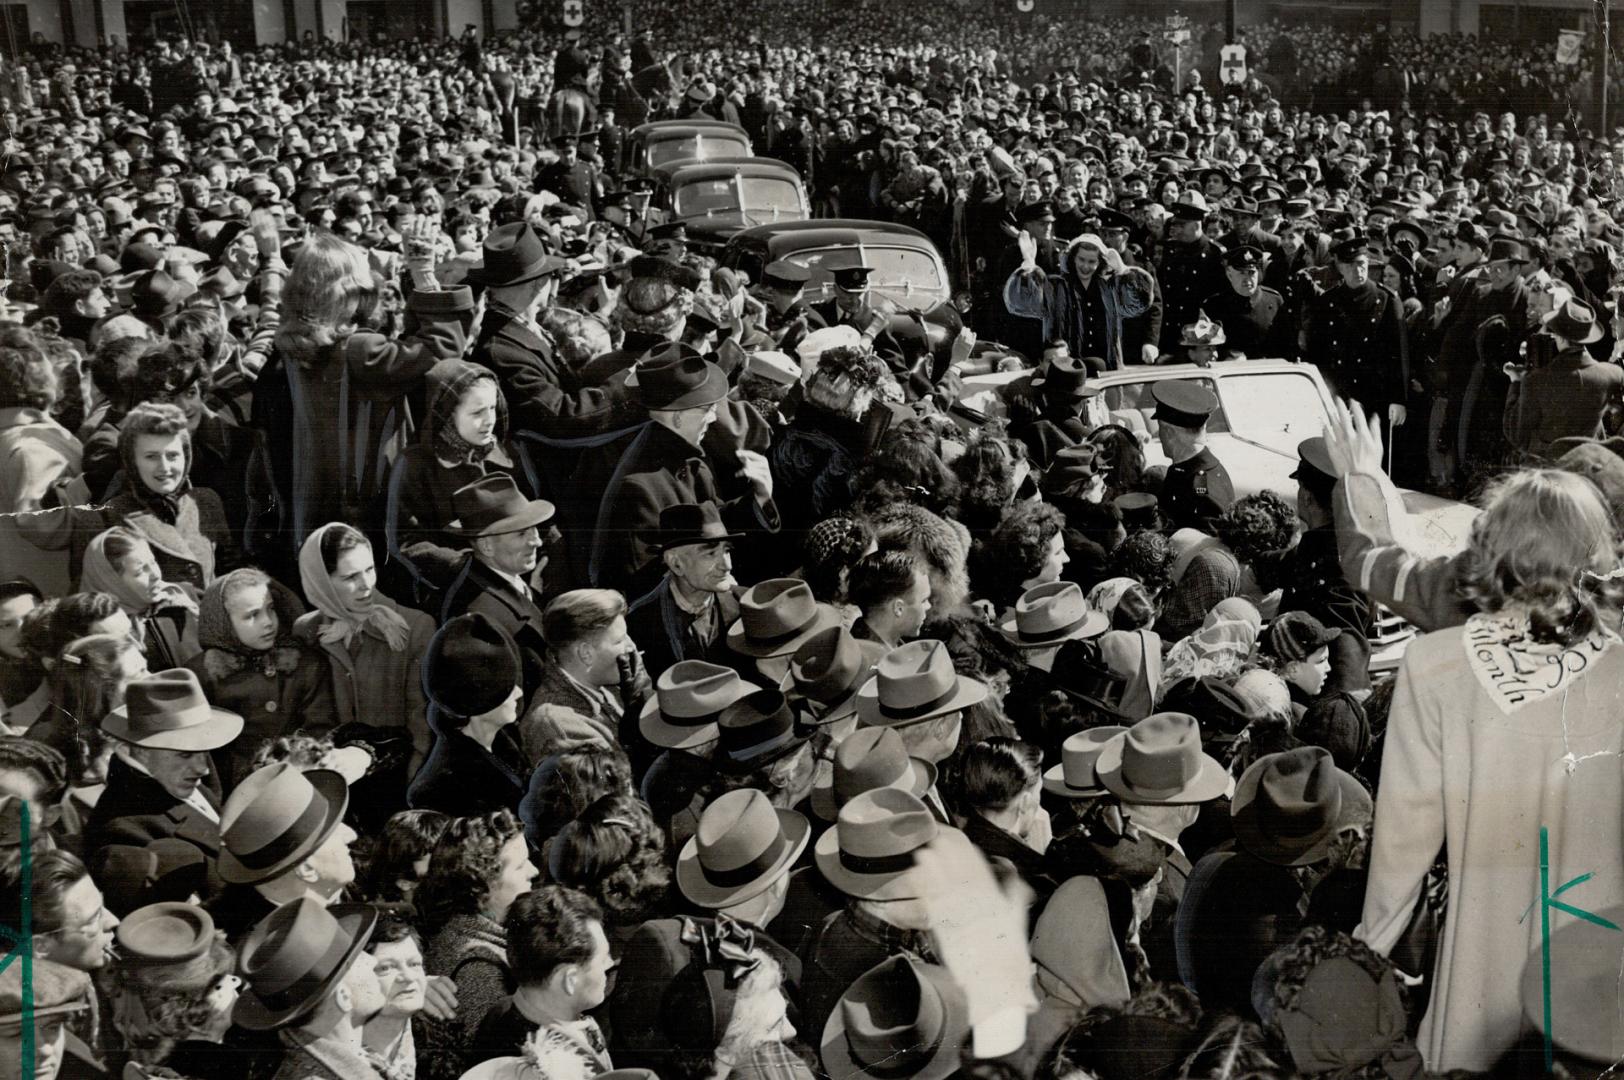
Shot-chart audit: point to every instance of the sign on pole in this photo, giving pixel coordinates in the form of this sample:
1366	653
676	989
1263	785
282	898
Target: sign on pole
1025	6
574	12
1232	65
1568	44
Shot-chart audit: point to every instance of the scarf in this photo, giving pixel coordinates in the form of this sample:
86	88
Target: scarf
1516	671
1219	649
448	381
98	574
344	622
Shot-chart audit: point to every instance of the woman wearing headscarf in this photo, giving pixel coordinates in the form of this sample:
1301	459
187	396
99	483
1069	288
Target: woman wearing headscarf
374	647
463	437
1221	648
121	564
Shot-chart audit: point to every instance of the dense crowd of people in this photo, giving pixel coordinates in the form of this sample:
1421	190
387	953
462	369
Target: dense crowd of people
455	624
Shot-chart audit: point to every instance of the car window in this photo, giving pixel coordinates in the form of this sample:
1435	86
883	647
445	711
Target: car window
703	147
1276	408
910	277
1124	400
711	195
771	193
767	198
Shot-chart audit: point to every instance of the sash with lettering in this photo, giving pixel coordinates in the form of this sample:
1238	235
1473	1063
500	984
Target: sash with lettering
1517	671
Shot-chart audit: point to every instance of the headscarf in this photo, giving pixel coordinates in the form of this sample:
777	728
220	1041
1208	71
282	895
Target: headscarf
98	574
448	381
344	622
1221	647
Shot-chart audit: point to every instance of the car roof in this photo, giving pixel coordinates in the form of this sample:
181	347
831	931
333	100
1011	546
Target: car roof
687	127
685	169
1135	373
789	236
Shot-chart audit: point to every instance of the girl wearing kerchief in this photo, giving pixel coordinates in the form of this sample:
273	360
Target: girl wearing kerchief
374	646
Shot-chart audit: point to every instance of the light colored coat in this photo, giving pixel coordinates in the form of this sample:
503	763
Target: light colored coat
1461	772
36	453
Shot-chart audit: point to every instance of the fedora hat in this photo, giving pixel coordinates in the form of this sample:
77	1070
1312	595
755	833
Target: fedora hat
1575	321
1075	777
1050	613
776	617
1507	249
868	759
276	818
828	669
294	956
870	851
493	505
167	711
756	730
1159	761
676	377
915	682
903	1018
1064	376
692	523
133	876
1287	807
156	295
514	254
688	700
742	845
166	933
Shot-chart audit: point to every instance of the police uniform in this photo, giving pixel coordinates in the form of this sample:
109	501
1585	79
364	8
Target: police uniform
1317	584
1357	339
1258	325
1189	273
1197	490
789	326
578	184
871	317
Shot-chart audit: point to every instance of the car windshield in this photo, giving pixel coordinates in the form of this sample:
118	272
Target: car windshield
906	275
768	198
702	146
1276	408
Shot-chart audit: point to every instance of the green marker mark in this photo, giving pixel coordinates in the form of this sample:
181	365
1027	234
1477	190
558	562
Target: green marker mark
22	942
1547	901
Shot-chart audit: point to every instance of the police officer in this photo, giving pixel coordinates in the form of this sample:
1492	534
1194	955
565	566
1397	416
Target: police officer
853	306
1356	336
1197	490
781	292
1191	267
1255	318
576	182
1316	583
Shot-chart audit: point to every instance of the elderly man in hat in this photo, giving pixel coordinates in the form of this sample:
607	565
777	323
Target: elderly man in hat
310	980
1189	267
501	576
686	616
161	782
1566	397
520	276
665	466
1356	336
56	996
1256	319
1197	489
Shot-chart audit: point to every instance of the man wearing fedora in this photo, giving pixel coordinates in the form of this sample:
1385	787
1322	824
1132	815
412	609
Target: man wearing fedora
544	396
681	725
736	866
499	577
162	781
916	691
1567	396
664	466
310	980
686	616
282	837
1046	617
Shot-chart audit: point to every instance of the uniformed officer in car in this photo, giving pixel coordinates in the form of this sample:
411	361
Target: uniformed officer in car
1190	269
852	305
1256	319
1316	583
782	292
1197	490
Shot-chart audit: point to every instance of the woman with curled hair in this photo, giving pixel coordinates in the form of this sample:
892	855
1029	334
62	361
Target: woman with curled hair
1502	750
331	399
565	784
615	853
397	863
36	453
163	1002
87	683
1027	548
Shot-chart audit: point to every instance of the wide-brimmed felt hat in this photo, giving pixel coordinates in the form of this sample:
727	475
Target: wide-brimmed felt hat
687	705
136	875
776	617
493	505
901	1018
276	818
828	670
1064	377
676	377
156	295
742	845
915	682
1287	807
1507	249
168	711
294	956
1576	321
866	760
1076	776
756	730
1050	613
682	524
871	850
1159	761
1221	712
165	933
514	254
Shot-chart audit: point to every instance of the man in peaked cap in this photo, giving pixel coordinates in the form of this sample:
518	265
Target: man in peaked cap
1256	319
1317	586
1197	490
1357	337
1190	267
